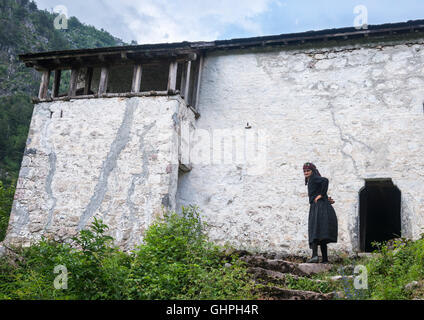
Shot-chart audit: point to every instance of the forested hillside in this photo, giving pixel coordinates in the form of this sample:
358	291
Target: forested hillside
24	28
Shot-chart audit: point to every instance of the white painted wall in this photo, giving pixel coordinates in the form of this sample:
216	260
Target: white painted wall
114	159
356	112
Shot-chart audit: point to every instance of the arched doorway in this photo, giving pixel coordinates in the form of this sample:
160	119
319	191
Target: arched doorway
380	213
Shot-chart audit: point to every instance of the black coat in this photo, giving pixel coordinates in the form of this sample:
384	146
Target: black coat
322	225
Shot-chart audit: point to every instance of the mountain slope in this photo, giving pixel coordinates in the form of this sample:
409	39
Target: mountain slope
25	28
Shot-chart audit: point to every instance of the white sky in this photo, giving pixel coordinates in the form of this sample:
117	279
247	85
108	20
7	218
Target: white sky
157	21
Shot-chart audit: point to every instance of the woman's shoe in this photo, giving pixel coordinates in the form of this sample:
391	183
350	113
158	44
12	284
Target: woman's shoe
313	260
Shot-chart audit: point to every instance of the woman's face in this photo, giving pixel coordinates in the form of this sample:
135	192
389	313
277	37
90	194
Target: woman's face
307	173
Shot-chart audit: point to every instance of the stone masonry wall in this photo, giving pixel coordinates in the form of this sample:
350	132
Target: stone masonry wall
355	111
114	159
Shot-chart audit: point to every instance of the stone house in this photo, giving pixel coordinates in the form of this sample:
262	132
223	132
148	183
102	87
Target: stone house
227	126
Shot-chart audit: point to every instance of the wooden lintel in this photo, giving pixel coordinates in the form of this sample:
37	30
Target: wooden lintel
136	82
118	58
44	86
104	75
172	79
56	83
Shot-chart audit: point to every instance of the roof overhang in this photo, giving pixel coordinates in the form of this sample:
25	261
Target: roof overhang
184	51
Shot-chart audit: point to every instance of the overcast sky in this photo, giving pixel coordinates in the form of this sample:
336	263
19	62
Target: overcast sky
157	21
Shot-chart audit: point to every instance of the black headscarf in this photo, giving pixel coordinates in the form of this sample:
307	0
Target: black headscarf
312	167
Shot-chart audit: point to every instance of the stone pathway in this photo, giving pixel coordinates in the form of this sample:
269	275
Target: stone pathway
273	274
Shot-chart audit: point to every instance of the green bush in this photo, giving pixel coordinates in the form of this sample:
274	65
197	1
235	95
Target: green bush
399	262
395	264
6	201
176	261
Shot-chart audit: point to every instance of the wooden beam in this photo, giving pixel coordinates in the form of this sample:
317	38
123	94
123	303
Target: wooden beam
185	81
56	83
44	86
104	77
136	82
73	83
124	55
172	79
88	80
196	87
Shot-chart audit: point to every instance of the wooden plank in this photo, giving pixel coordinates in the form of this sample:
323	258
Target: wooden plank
73	83
44	85
196	86
88	80
186	91
104	77
172	79
185	80
56	83
136	82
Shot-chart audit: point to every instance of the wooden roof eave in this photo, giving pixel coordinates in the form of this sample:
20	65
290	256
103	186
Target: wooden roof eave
64	62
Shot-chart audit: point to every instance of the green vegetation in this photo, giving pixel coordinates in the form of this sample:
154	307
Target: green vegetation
176	261
25	29
6	200
310	284
15	115
395	272
398	264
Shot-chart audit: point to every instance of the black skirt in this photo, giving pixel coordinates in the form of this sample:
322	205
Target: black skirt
322	225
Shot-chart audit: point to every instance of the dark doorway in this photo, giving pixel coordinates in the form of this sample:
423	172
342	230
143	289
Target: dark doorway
380	205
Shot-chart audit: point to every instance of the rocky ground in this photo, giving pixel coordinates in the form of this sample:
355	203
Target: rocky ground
291	278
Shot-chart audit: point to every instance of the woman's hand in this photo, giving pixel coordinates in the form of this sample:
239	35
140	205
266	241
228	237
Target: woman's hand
331	200
317	198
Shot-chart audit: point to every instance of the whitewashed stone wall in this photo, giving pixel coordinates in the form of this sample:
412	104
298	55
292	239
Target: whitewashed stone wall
114	159
355	111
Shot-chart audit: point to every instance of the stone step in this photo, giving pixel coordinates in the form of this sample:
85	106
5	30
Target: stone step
277	293
299	269
340	278
276	277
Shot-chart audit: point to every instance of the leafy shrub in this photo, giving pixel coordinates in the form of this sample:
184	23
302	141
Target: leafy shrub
395	264
176	261
399	262
6	201
309	284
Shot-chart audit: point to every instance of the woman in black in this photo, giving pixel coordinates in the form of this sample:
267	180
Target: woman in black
322	227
